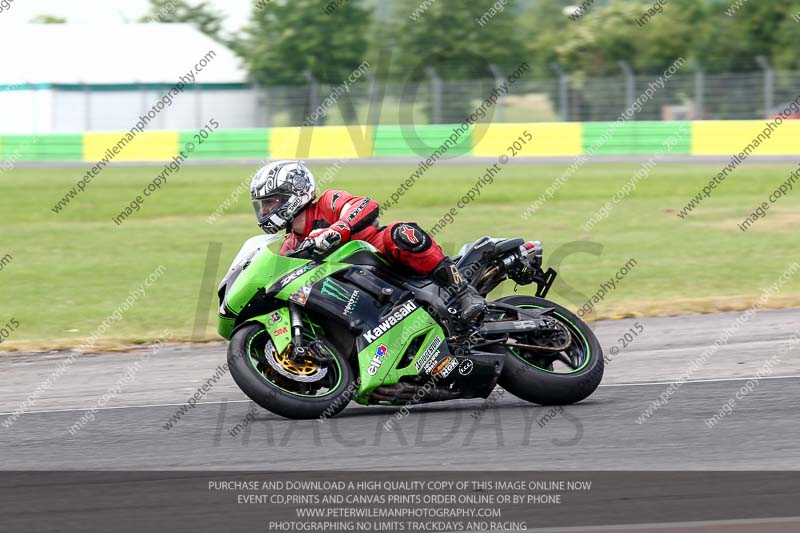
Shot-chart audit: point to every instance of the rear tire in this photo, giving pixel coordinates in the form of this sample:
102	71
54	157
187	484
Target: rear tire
280	400
528	382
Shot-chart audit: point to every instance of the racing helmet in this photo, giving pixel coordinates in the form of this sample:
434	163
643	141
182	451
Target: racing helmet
280	191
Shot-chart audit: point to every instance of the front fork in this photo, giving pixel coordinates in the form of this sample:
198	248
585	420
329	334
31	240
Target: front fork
300	348
296	321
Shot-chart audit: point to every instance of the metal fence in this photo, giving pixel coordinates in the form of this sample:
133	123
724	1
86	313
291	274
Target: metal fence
686	95
683	96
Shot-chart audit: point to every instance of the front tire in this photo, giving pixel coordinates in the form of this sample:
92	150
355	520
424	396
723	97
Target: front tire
527	374
277	393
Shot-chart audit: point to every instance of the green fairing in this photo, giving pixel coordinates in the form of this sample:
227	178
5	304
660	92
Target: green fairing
350	248
311	277
279	330
329	266
396	341
266	268
225	326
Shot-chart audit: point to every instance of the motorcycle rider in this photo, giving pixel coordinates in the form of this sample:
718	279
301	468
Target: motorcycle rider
284	198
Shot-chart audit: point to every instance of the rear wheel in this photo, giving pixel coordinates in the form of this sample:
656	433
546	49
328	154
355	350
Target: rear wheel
293	389
563	367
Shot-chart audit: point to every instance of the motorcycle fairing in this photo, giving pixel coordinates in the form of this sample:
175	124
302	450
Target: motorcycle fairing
260	282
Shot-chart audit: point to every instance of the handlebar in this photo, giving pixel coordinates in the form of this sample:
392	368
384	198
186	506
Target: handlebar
302	252
307	250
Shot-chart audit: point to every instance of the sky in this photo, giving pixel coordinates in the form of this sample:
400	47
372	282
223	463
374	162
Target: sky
99	11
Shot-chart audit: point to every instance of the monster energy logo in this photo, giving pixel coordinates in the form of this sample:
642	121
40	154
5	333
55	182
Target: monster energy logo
334	290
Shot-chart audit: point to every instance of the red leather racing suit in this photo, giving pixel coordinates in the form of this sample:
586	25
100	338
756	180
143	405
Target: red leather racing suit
403	243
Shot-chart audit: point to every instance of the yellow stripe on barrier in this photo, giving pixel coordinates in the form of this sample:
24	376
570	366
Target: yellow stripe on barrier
548	139
328	142
732	137
122	146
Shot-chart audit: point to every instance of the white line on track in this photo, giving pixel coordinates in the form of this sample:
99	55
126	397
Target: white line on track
71	409
640	384
712	380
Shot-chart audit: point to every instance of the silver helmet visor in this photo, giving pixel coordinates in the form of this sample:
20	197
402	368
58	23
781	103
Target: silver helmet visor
265	206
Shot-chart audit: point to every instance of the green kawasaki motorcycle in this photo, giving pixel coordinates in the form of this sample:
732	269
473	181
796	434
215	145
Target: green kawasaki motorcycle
309	333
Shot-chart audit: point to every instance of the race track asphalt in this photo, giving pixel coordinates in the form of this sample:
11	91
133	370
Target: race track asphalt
601	433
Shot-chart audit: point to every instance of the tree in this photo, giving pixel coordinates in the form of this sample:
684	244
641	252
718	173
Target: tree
668	35
202	16
733	41
48	19
603	37
454	40
461	38
591	47
287	40
544	26
787	43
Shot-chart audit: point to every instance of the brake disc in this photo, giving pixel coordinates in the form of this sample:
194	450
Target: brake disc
303	371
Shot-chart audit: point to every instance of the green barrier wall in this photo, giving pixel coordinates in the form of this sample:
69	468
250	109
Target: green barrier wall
638	138
418	141
629	138
41	147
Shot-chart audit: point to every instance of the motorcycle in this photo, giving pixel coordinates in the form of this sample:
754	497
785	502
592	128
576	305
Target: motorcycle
309	333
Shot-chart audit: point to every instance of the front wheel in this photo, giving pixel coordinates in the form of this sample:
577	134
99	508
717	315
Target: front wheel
568	365
293	389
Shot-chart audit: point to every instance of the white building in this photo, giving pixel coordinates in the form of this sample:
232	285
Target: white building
71	78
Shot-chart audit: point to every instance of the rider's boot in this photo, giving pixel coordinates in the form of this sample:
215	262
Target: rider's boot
469	305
